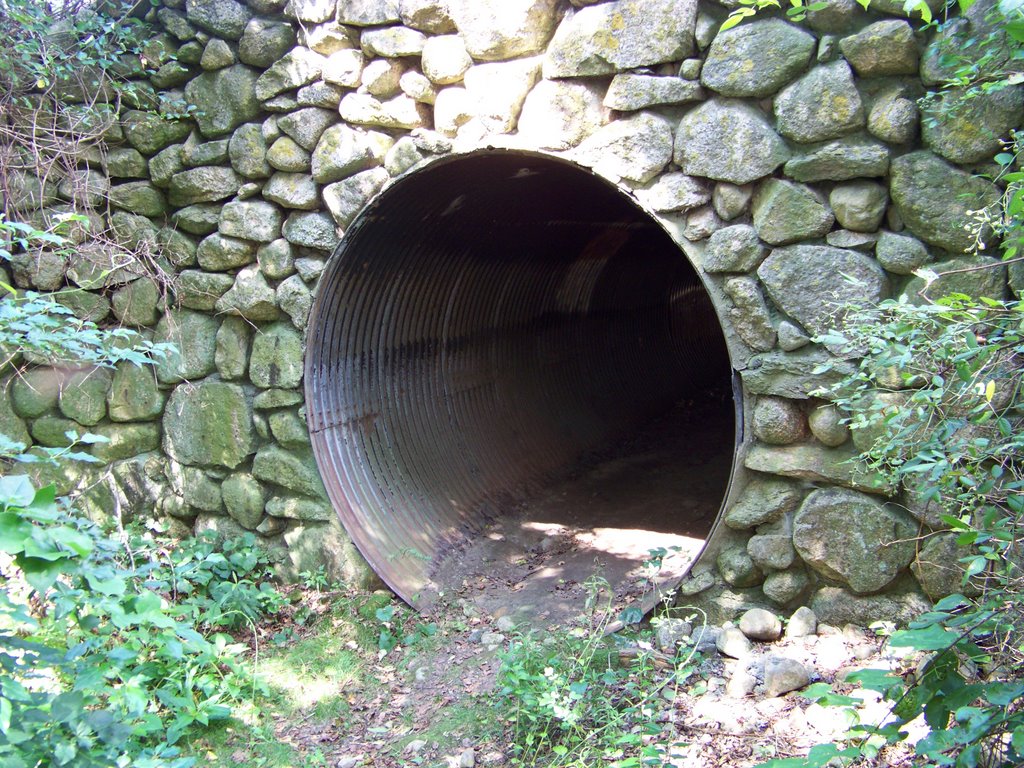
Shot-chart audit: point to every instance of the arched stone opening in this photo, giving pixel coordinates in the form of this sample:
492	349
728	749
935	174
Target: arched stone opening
507	336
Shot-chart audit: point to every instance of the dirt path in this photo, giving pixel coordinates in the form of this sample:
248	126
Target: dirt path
635	517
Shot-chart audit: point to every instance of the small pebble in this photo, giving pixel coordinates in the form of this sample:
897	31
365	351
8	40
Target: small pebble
759	624
782	675
802	623
732	642
741	684
467	759
415	746
669	633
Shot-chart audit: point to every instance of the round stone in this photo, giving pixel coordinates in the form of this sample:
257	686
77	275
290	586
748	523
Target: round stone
778	421
759	624
826	423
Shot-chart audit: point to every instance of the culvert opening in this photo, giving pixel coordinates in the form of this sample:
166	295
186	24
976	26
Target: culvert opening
515	380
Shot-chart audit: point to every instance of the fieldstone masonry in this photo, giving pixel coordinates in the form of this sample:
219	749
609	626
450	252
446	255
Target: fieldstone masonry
790	162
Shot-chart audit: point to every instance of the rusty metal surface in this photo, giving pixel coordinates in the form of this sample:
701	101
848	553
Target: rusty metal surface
485	323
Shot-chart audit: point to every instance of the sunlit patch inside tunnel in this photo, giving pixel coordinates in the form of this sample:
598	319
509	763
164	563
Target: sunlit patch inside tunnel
517	387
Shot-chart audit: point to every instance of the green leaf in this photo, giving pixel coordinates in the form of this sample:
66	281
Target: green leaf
931	638
111	587
16	491
631	614
44	505
879	680
14	533
39	573
1016	741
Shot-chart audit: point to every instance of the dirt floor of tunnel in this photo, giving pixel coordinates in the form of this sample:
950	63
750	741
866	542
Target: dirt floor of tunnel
592	534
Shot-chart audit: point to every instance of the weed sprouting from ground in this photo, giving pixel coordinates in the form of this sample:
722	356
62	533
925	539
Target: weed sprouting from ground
581	697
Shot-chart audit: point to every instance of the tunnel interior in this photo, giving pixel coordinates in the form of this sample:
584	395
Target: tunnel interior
506	340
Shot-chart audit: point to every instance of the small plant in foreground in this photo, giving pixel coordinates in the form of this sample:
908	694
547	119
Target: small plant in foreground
99	663
578	699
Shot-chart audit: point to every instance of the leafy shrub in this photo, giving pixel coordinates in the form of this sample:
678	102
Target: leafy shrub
107	648
939	389
222	584
100	659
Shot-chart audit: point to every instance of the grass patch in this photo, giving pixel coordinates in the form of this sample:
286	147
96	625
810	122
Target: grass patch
312	669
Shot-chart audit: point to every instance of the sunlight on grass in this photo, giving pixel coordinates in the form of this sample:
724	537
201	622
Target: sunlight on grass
312	671
310	679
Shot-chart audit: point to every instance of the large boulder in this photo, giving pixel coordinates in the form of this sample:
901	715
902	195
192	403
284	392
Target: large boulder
785	212
621	35
149	133
344	199
294	469
224	18
251	220
883	48
637	148
200	290
135	394
838	606
247	150
938	567
368	13
823	104
203	185
815	284
292	190
934	199
859	206
312	229
973	276
730	141
251	297
970	127
224	99
194	336
209	424
497	91
757	58
306	126
298	67
218	253
264	42
276	360
629	92
313	545
343	151
852	538
83	396
734	249
764	500
851	157
807	461
894	118
558	114
495	30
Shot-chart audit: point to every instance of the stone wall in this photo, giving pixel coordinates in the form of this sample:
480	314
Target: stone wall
790	162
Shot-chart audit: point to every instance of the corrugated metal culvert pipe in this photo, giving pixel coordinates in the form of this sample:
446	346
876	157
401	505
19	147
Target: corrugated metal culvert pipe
488	323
